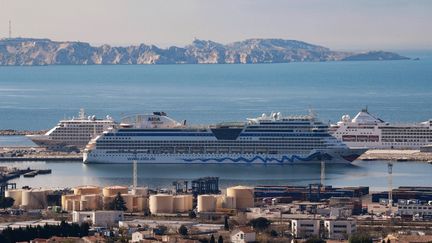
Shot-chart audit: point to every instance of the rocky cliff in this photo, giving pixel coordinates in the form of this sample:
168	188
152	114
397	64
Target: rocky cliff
28	51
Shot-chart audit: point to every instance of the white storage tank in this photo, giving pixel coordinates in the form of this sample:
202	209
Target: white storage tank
16	194
161	203
86	190
244	196
206	203
113	190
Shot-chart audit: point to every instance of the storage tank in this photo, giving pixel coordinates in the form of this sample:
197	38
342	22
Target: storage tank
244	196
113	190
68	206
35	198
206	203
161	203
223	201
93	201
178	204
76	205
188	202
141	203
16	194
141	191
85	190
83	206
229	202
128	199
65	199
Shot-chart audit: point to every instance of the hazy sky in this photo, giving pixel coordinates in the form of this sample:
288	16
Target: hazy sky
343	24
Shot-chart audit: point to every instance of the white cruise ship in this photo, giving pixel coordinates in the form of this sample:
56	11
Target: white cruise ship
73	134
156	138
366	130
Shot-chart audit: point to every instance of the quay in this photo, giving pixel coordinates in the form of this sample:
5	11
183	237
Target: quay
36	154
12	132
42	158
7	174
396	155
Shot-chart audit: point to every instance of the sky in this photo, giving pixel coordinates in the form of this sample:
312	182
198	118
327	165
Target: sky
338	24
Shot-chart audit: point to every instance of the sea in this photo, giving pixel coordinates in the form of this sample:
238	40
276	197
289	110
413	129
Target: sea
37	97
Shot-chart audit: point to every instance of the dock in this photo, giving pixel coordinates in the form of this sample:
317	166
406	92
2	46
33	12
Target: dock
398	155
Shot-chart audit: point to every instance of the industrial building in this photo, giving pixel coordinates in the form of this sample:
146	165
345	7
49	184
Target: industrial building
312	192
98	218
406	193
205	185
414	207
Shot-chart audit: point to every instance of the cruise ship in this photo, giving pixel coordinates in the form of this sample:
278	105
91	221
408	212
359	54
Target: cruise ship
367	130
73	134
273	138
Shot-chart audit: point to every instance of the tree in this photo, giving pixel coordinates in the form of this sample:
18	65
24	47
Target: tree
183	230
274	233
212	239
315	240
192	214
260	223
161	230
360	238
118	203
6	202
220	239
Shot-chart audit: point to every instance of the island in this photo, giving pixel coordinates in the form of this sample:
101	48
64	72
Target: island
32	51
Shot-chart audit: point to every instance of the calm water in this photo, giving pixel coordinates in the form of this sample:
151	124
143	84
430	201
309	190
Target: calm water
37	97
373	174
398	91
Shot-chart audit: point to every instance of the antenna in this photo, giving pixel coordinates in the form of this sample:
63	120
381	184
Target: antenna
135	173
10	29
323	175
390	187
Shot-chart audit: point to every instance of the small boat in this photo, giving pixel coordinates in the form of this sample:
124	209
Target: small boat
31	174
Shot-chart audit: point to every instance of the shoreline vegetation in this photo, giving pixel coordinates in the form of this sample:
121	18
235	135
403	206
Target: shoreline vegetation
40	52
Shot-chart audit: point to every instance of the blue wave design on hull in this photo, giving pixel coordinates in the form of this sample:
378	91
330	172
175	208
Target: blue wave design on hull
314	156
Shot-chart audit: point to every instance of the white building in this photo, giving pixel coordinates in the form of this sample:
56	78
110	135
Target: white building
414	209
141	235
98	218
339	229
303	228
243	235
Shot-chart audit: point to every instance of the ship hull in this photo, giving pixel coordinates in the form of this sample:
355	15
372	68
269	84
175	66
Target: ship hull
344	156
